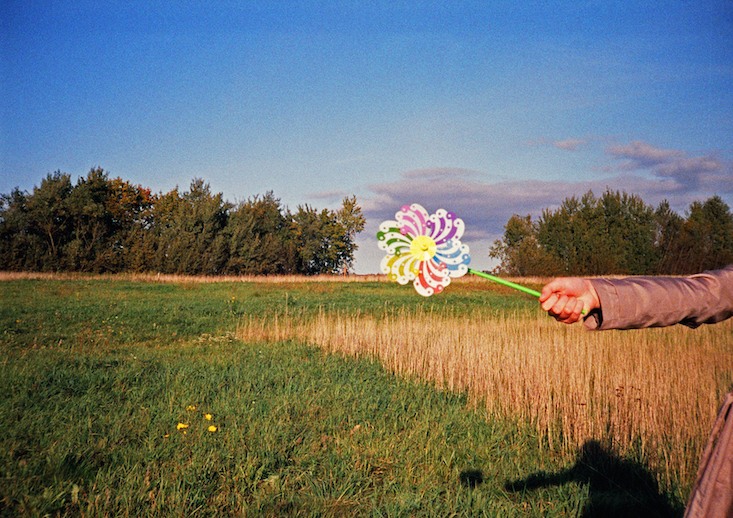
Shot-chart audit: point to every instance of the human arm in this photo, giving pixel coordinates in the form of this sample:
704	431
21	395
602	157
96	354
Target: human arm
637	302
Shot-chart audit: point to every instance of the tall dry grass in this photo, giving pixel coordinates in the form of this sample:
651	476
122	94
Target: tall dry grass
652	392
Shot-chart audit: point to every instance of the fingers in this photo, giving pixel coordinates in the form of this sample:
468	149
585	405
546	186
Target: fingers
548	301
561	298
567	310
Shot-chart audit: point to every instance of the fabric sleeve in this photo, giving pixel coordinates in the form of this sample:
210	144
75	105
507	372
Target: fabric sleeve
638	302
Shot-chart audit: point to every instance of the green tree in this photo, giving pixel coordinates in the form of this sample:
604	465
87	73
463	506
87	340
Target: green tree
706	240
613	234
188	228
316	241
102	212
669	228
324	241
92	226
717	243
519	251
20	247
259	238
102	224
629	234
352	222
50	218
557	234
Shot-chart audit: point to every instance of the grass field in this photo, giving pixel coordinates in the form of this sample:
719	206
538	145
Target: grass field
332	398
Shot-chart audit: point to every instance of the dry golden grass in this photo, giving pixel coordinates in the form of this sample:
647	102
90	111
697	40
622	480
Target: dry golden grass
654	392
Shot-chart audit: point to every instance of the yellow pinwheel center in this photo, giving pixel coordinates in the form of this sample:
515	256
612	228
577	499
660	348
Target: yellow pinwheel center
423	248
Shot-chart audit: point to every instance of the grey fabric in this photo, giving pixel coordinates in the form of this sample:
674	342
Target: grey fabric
712	495
638	302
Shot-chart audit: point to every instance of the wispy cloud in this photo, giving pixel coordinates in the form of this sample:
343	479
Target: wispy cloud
686	173
642	155
328	195
485	207
571	144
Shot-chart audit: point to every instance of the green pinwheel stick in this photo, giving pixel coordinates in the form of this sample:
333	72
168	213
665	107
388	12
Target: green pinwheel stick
511	284
505	282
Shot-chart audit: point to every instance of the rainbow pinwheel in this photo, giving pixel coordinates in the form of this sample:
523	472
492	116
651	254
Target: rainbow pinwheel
422	248
427	250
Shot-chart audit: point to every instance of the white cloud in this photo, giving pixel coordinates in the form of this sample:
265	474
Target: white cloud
571	144
642	155
328	195
687	173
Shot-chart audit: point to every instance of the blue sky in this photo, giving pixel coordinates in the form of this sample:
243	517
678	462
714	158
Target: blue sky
483	108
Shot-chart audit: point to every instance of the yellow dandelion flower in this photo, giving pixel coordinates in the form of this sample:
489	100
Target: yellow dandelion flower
191	407
181	426
212	428
208	417
166	436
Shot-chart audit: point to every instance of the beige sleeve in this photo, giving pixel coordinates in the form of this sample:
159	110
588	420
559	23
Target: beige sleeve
637	302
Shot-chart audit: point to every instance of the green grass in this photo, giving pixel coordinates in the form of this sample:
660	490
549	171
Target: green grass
98	374
98	312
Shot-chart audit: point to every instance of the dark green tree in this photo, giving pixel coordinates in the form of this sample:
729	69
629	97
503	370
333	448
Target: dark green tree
188	228
50	217
519	251
21	248
352	222
669	228
557	235
715	226
324	241
316	241
102	224
629	234
613	234
706	239
93	227
259	238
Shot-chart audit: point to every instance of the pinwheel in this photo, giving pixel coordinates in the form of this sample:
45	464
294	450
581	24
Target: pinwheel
427	250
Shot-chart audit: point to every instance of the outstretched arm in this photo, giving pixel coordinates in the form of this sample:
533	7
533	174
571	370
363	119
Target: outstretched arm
636	302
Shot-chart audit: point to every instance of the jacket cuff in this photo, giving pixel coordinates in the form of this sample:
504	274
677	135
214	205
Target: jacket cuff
609	299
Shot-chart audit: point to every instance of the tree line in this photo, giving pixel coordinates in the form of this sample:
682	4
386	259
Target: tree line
617	233
102	224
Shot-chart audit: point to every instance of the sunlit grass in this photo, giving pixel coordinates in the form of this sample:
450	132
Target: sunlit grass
333	399
653	394
299	432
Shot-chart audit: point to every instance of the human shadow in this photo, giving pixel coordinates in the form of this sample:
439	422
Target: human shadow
617	487
471	478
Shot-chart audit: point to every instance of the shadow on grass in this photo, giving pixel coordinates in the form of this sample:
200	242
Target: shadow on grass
471	477
617	487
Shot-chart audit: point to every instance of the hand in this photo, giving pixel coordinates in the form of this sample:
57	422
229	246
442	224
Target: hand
566	297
